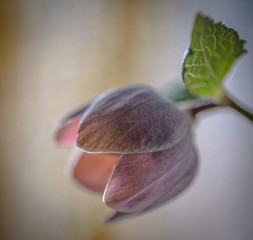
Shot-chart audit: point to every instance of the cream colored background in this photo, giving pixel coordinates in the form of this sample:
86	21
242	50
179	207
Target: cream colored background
56	54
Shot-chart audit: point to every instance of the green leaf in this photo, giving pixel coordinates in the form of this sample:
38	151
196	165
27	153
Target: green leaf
213	50
178	93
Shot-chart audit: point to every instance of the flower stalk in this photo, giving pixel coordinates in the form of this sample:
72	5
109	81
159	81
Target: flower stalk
229	101
194	107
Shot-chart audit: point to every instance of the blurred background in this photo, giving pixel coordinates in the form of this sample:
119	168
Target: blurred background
55	54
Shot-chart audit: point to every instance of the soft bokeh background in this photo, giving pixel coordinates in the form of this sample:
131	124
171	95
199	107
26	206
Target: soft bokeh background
55	54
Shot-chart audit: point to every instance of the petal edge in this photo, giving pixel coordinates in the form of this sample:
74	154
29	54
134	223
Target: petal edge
131	120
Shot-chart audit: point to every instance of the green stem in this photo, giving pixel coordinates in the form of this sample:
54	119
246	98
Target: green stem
228	101
196	106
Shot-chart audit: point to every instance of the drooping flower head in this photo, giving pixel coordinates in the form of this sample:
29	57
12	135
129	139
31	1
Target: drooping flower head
133	145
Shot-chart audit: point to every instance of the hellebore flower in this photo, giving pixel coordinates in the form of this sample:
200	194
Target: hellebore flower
133	145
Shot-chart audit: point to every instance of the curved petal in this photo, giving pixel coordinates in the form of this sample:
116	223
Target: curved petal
65	130
114	216
143	181
131	120
92	171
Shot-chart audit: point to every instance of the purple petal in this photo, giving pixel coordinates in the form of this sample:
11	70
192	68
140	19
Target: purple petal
92	171
131	120
65	130
142	181
115	216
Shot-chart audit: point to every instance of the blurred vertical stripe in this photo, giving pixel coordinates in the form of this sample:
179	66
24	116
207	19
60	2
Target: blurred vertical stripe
10	25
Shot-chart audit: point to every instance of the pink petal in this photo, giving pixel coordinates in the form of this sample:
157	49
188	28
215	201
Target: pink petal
131	120
67	135
92	171
142	181
65	130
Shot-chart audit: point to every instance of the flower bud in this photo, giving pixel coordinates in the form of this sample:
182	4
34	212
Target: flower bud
135	147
